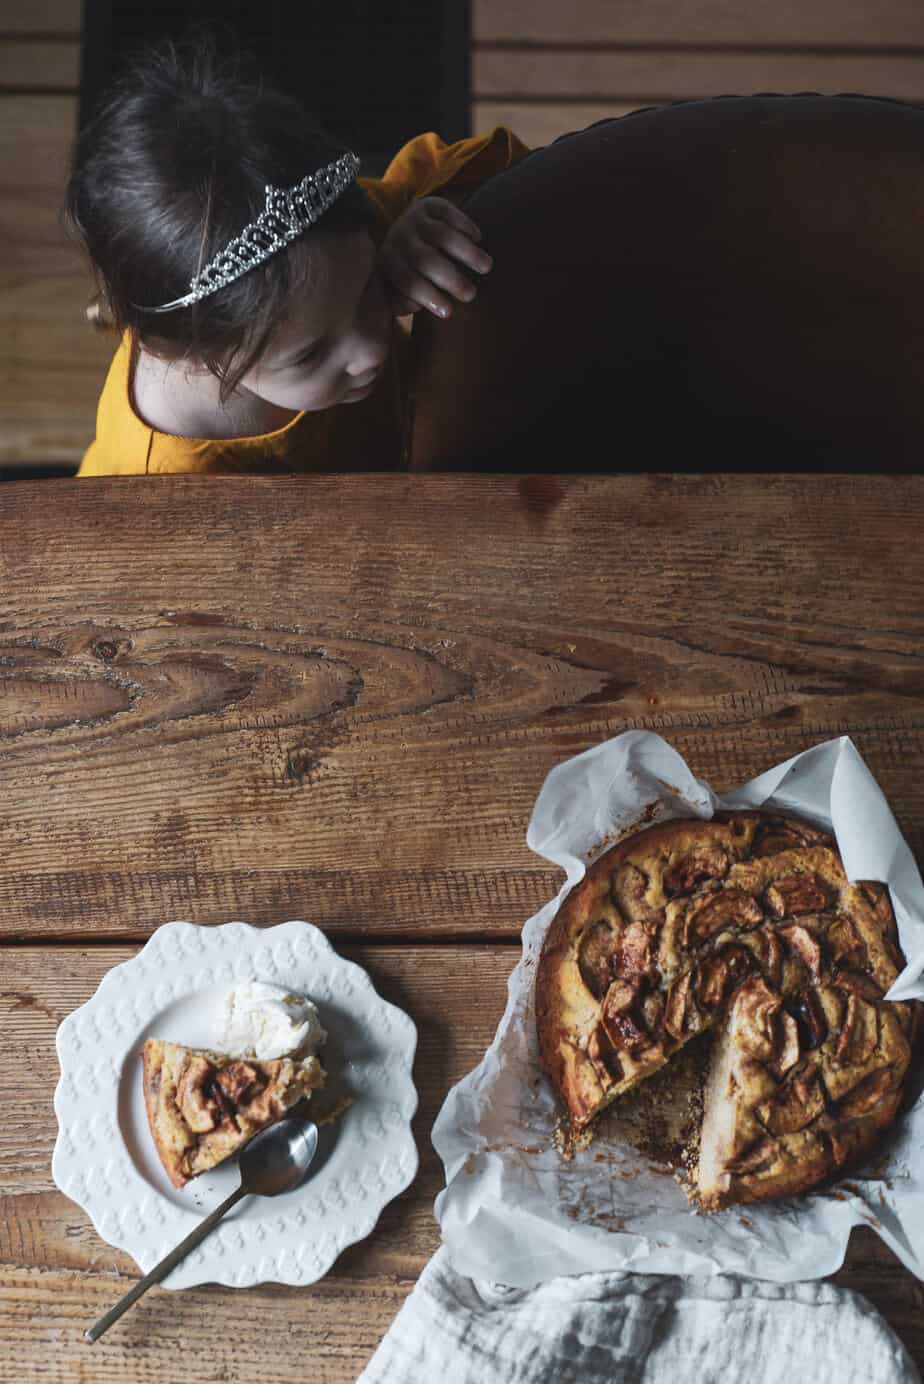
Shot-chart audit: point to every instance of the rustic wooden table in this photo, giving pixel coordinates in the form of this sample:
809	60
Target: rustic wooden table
336	698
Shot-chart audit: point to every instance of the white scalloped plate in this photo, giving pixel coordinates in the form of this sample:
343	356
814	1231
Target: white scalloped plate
104	1157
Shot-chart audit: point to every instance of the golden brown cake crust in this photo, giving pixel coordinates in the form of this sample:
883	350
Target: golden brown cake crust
747	925
203	1106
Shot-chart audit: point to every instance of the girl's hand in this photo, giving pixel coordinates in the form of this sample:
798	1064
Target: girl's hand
423	255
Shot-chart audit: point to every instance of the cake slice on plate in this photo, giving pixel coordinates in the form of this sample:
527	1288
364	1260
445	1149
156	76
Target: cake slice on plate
203	1106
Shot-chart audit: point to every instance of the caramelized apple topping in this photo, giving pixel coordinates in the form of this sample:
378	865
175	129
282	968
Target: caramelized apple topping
772	843
786	1042
596	954
630	883
622	1029
801	1099
685	874
765	946
805	946
678	1003
196	1102
716	975
625	1033
810	1018
711	980
833	1003
240	1082
630	888
867	1094
652	1010
634	953
731	908
858	984
765	1031
621	996
777	835
799	894
859	1036
877	896
222	1104
739	961
603	1055
846	944
754	1008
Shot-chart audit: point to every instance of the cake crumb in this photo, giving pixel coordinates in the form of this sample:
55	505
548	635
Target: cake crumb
568	1141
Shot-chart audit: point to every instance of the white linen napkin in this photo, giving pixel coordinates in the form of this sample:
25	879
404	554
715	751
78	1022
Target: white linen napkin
622	1328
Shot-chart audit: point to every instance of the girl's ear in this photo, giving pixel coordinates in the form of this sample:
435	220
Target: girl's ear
97	315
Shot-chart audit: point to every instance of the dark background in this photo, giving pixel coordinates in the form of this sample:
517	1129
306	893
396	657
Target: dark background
374	72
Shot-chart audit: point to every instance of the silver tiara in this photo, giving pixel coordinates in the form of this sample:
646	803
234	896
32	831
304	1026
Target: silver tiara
287	213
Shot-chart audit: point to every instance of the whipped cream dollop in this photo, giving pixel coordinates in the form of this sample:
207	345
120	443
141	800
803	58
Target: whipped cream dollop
266	1021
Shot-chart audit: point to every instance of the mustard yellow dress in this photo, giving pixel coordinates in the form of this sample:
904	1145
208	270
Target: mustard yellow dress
366	435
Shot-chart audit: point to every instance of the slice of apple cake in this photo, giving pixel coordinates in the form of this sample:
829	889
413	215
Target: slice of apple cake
203	1106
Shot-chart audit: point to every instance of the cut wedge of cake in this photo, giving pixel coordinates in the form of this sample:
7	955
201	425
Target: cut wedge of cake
745	926
780	1116
203	1106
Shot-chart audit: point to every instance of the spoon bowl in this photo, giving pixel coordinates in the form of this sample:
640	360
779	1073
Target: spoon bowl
277	1159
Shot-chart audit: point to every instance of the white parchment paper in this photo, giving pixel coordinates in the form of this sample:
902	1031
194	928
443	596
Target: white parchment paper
515	1212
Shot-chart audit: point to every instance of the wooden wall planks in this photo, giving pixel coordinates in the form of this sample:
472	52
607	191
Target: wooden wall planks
53	65
52	363
539	67
25	20
556	78
544	69
708	23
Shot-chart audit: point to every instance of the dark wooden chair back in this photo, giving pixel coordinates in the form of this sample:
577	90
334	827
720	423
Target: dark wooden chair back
716	285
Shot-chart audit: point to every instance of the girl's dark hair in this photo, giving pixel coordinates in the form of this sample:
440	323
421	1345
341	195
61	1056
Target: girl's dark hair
170	169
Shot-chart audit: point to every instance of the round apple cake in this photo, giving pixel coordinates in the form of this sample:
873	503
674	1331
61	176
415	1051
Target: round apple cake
745	926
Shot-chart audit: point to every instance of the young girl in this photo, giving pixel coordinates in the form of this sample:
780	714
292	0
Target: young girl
262	292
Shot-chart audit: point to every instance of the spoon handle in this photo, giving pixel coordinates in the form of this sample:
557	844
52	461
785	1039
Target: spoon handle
161	1270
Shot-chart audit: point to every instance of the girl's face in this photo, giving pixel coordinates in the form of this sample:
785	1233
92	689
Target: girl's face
335	344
